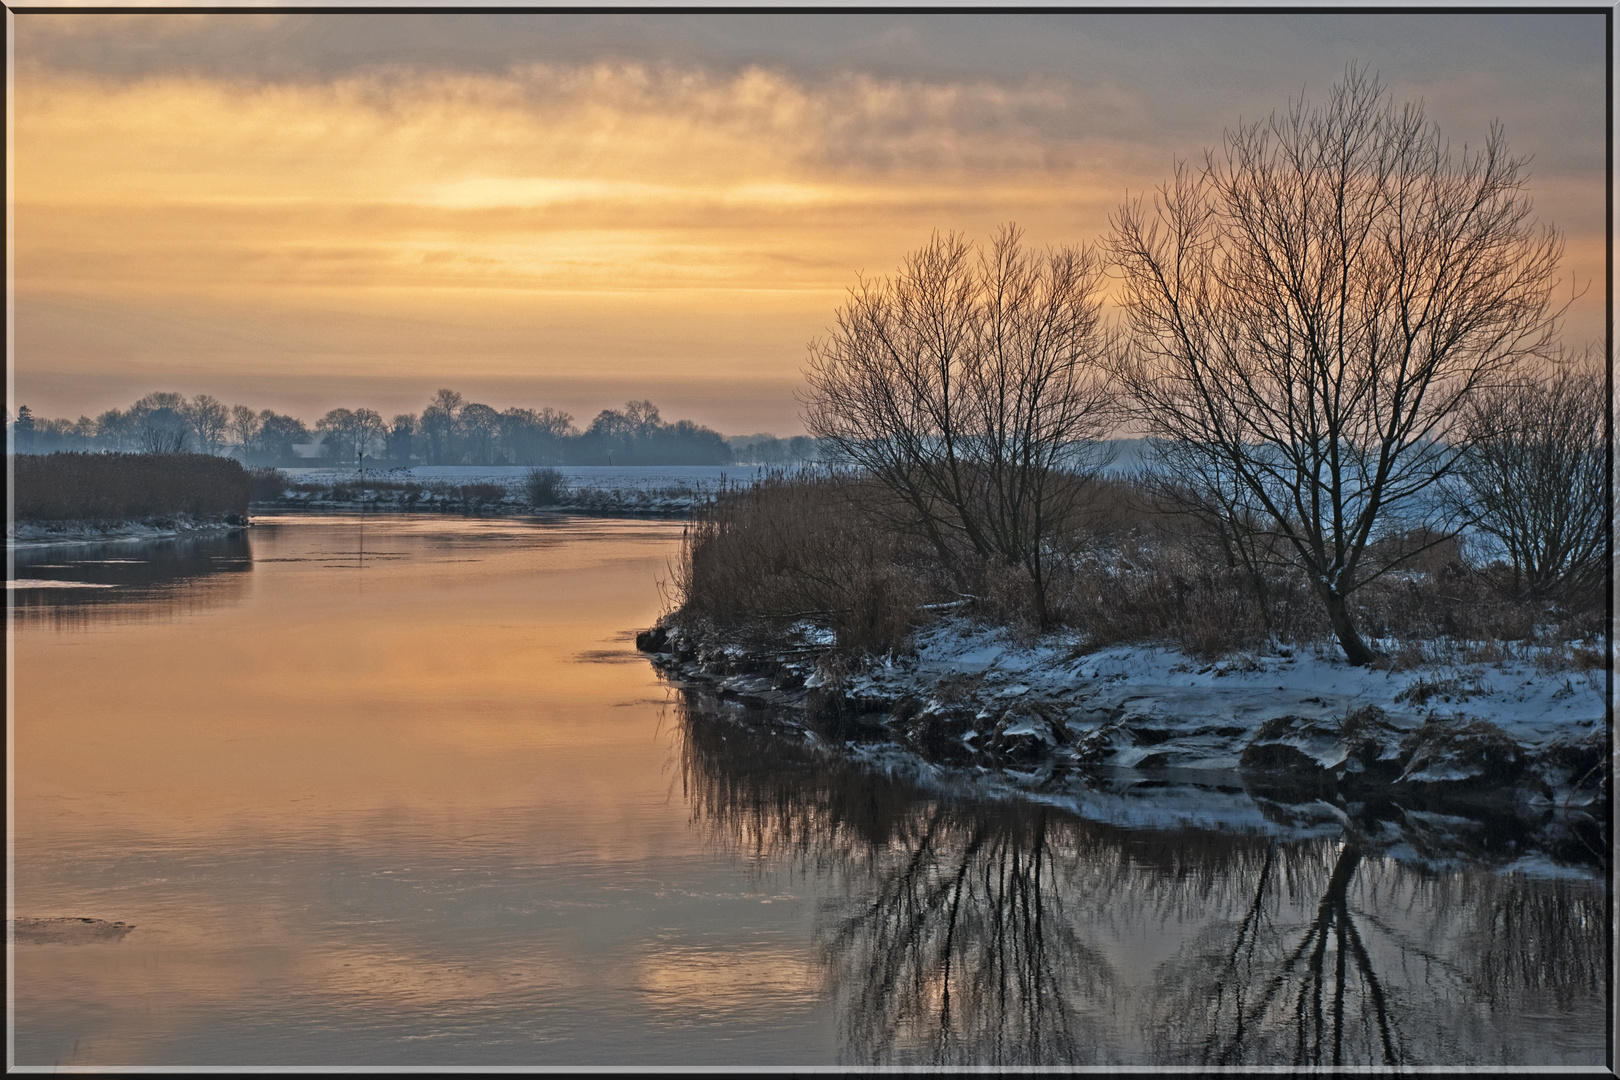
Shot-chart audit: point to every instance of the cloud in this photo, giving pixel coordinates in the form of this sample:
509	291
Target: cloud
464	170
607	177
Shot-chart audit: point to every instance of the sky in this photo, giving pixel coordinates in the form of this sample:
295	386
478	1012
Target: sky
302	211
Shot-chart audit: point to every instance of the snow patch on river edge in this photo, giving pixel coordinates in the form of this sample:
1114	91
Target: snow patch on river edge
42	534
1501	762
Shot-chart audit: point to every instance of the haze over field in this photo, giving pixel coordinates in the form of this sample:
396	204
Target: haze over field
306	211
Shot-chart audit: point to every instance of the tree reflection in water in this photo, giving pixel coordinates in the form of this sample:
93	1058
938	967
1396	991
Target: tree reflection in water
1017	933
1261	1000
1394	965
130	581
967	949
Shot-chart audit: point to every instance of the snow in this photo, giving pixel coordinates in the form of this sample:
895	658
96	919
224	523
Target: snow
659	490
1168	688
608	477
1540	866
27	535
41	584
1145	736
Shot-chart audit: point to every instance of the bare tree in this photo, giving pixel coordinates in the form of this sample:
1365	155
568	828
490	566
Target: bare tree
159	399
368	430
159	423
1312	309
163	430
1536	478
401	434
479	425
243	427
971	385
117	430
338	427
208	418
440	427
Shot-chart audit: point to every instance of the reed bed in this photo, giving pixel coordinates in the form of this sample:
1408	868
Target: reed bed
118	487
1134	568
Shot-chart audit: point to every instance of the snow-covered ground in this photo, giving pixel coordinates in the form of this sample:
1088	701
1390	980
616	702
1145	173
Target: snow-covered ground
1163	685
624	477
592	489
1496	761
1529	727
41	534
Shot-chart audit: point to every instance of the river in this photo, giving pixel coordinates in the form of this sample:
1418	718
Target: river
398	790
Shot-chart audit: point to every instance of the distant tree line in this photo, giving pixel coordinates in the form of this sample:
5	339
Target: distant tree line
767	450
449	431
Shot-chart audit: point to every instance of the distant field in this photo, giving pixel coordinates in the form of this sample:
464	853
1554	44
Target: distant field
620	477
1129	455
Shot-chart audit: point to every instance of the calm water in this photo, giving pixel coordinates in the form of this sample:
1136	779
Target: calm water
399	790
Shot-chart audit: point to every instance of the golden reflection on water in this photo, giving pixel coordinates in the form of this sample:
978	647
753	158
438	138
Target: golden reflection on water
406	790
406	794
441	681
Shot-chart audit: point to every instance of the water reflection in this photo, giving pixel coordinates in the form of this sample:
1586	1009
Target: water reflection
381	809
1261	1000
1019	933
67	586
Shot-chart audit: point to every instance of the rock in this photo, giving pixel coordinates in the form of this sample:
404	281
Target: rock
937	736
1475	754
66	931
1101	743
1022	735
1577	762
655	640
1364	743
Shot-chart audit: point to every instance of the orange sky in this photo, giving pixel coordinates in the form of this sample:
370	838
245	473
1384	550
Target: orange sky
304	211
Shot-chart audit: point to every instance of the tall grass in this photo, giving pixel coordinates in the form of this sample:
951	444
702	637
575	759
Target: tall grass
1137	568
798	548
113	487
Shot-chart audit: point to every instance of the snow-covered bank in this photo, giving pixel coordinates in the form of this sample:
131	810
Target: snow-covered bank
975	707
645	491
37	534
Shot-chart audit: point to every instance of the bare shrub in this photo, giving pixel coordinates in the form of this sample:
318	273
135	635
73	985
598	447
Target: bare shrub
545	487
477	494
1536	478
1150	588
268	484
1140	568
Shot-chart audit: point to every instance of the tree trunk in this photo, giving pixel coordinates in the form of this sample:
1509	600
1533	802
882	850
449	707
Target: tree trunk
1356	650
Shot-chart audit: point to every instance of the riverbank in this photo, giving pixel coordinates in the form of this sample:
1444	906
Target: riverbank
675	491
36	534
497	503
1519	733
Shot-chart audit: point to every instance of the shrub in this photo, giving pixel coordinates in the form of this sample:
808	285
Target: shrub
545	487
268	484
113	487
478	494
791	549
1536	476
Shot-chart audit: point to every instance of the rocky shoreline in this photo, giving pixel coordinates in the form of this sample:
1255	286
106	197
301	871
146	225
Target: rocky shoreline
1042	720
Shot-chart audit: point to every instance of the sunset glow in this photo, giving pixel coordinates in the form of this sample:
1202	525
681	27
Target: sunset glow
577	229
